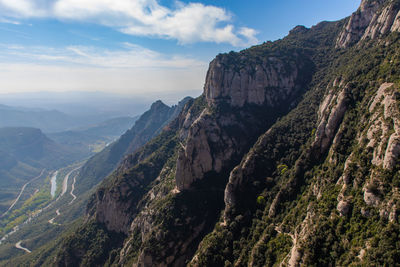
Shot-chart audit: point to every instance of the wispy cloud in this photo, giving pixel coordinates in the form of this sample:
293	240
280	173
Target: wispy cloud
129	56
9	21
187	23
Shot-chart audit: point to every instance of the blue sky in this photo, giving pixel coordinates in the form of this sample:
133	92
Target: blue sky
138	47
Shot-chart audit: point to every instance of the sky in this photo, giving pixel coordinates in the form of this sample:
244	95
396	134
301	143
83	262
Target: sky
138	47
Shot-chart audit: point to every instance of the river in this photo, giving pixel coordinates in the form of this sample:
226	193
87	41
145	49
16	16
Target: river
53	182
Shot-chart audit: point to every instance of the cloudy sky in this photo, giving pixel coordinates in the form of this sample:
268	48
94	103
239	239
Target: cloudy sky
138	47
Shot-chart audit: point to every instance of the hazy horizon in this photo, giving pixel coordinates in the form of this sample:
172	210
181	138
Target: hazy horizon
92	102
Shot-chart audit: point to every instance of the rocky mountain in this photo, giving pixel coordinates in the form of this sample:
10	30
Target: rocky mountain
290	157
147	126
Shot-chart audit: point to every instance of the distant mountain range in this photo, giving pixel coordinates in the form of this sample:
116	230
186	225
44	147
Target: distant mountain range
80	103
46	120
51	121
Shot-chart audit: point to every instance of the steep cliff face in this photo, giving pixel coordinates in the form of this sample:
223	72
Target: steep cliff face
240	91
115	203
146	127
372	20
295	143
234	81
383	127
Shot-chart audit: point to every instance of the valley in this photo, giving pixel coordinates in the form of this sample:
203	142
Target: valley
48	171
45	207
59	197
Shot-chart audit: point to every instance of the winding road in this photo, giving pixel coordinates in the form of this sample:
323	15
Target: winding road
64	190
51	221
20	193
72	191
18	246
65	183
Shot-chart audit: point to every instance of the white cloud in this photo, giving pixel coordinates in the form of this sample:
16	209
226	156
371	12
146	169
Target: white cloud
250	35
187	23
25	8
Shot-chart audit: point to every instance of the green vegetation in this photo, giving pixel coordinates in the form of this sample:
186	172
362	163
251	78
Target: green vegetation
17	216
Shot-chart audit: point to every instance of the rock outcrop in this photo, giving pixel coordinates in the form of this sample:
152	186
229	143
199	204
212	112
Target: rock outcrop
372	20
236	84
384	22
196	157
330	114
111	211
268	82
383	132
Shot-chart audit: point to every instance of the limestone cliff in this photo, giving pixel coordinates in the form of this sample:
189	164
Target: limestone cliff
372	20
268	82
238	89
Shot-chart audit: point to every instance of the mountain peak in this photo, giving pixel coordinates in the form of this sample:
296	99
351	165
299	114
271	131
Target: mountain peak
365	4
299	29
158	104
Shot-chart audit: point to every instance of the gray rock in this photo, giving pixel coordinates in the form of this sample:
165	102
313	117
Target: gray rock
358	23
343	207
372	20
365	212
329	120
207	144
370	198
393	214
267	83
392	153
